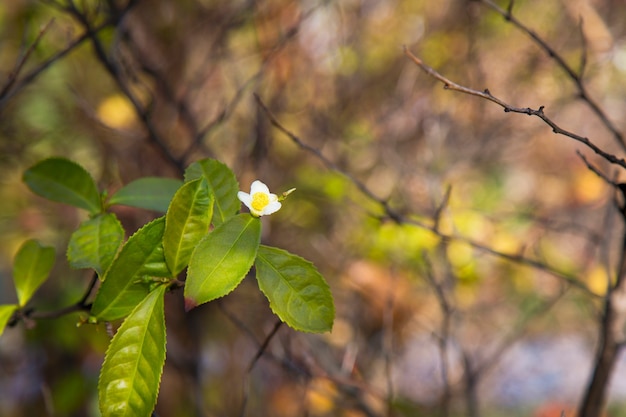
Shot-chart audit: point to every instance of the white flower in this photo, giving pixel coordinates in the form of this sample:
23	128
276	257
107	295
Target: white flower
260	201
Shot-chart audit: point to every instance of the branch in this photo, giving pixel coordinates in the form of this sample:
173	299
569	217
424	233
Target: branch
229	108
14	86
393	215
486	94
108	64
443	339
33	314
19	65
260	351
577	78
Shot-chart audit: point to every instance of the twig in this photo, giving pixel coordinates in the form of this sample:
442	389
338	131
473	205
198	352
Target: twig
596	170
17	86
33	314
264	345
257	356
575	77
614	313
141	111
19	65
388	323
486	94
447	311
441	207
398	218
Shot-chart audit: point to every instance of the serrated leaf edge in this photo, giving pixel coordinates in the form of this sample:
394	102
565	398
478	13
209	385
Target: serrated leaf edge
119	253
97	206
161	289
192	301
174	268
311	265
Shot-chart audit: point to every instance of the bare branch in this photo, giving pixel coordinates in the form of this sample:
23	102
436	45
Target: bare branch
447	311
573	75
16	86
19	65
142	111
486	94
265	344
34	314
398	218
596	170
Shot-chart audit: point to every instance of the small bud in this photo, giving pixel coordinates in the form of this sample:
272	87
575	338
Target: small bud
285	194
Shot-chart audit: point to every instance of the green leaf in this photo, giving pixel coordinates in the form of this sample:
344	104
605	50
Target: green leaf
222	259
223	185
186	222
95	243
6	311
132	368
150	193
62	180
128	279
31	267
297	293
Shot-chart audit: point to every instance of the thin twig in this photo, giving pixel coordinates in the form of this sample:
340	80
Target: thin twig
264	345
447	311
257	356
19	65
571	73
596	170
17	86
34	314
486	94
398	218
388	323
140	110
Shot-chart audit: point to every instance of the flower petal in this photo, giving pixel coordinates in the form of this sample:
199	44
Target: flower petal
259	187
245	198
272	207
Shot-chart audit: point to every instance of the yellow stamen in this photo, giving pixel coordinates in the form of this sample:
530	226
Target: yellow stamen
260	201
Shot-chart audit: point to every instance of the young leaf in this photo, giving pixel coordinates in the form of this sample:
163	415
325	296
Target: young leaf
151	193
222	259
297	293
95	243
62	180
31	267
222	183
132	368
127	281
6	311
186	222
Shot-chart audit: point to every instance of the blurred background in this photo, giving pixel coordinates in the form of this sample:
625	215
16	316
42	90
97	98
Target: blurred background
428	323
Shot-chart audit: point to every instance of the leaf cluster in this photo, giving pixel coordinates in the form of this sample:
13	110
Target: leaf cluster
201	232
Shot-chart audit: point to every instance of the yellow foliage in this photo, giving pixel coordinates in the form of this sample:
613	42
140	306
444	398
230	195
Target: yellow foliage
460	253
588	186
505	242
116	111
402	242
597	280
321	396
472	224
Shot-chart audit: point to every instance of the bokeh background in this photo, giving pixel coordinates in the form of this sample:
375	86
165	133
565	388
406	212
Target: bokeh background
427	322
